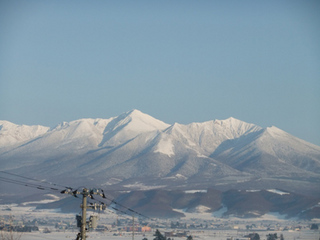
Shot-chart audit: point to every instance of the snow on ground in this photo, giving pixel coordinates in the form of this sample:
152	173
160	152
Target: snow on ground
194	215
238	231
275	216
177	176
24	210
90	236
277	191
53	199
202	209
198	235
253	190
220	212
112	181
165	147
272	216
195	191
141	186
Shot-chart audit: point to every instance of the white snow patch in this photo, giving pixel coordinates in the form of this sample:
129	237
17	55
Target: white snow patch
193	215
200	155
53	199
177	176
220	212
165	147
243	180
196	191
141	186
273	216
256	213
112	181
202	209
180	176
277	191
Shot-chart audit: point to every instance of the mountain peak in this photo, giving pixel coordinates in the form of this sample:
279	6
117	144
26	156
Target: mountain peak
135	112
234	128
136	120
129	125
231	121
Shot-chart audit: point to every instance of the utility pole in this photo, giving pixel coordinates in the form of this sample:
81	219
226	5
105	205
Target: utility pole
132	227
86	193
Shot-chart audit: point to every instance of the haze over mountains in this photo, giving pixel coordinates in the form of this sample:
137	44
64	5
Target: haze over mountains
135	151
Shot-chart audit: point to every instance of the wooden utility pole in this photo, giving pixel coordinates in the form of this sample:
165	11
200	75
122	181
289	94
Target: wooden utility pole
132	227
85	194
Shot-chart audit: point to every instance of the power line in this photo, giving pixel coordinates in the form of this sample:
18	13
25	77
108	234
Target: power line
8	180
102	194
86	193
127	208
33	179
69	190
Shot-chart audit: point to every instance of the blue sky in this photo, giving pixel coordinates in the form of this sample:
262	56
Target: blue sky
178	61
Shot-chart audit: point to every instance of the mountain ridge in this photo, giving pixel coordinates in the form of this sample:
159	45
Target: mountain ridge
213	139
135	151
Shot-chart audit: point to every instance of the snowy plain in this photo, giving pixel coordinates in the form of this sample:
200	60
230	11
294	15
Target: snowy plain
299	229
204	235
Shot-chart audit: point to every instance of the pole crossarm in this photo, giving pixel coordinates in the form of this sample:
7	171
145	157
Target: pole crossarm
86	193
96	206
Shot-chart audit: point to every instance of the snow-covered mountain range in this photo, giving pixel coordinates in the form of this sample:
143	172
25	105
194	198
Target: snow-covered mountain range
137	151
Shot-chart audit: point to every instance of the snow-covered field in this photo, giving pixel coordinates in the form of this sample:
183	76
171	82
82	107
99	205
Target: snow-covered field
197	235
299	230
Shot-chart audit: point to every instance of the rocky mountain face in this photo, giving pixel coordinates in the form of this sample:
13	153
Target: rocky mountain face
136	152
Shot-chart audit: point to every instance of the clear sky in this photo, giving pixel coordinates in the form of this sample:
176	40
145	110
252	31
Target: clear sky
178	61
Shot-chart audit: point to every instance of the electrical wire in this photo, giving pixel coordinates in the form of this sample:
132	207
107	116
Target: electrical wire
70	190
67	189
127	208
8	180
104	198
33	179
115	211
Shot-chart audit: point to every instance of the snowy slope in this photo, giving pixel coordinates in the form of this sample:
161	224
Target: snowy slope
128	126
207	136
11	134
137	148
271	152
